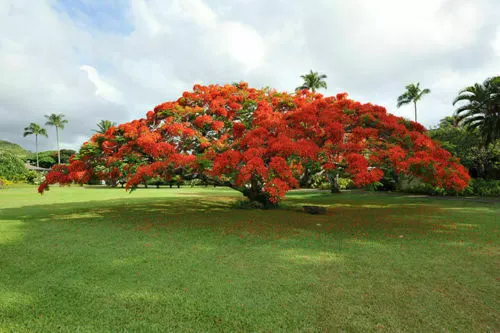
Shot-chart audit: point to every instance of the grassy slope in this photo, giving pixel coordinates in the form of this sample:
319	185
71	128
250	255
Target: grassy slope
98	260
15	149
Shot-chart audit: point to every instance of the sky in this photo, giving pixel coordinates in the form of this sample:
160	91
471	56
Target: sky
117	59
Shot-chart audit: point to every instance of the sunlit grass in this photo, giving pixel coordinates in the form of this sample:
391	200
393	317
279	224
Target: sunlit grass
103	260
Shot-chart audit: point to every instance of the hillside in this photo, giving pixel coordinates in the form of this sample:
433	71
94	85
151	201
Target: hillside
15	149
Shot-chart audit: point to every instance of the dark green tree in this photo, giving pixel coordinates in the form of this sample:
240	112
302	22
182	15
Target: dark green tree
49	158
481	110
313	81
58	121
413	94
482	160
36	130
104	125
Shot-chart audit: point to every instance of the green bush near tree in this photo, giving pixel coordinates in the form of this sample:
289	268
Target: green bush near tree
477	187
34	178
482	160
483	187
321	182
12	168
47	159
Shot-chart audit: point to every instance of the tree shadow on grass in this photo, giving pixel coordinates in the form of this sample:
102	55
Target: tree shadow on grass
347	216
156	264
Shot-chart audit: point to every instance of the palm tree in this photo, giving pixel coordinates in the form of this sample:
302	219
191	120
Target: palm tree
104	125
58	121
482	109
313	81
413	94
36	130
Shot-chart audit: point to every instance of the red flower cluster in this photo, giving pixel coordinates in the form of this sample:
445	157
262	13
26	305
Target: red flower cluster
261	142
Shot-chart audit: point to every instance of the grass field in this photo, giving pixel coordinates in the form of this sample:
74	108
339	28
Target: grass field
103	260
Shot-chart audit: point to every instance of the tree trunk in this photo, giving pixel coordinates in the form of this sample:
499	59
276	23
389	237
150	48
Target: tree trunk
335	184
304	180
36	147
415	105
481	171
58	150
255	194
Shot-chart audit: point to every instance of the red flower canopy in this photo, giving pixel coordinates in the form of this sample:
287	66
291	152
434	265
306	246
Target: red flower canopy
261	141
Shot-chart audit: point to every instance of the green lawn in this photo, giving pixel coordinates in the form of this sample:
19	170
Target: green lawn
102	260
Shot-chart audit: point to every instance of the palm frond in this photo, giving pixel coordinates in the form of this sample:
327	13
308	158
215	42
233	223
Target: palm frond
464	108
312	81
481	109
405	98
463	97
413	93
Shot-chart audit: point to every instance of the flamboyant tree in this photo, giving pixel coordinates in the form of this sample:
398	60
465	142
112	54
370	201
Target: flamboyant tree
261	142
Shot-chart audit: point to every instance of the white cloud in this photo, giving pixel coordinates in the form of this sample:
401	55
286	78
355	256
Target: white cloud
195	10
145	19
495	43
371	49
241	42
103	89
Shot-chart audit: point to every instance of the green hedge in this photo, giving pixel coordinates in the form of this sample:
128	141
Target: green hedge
477	187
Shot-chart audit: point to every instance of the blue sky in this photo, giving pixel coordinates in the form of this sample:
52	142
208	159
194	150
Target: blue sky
108	16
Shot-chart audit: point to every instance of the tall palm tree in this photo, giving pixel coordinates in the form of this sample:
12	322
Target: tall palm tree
413	94
313	81
58	121
104	125
35	129
482	109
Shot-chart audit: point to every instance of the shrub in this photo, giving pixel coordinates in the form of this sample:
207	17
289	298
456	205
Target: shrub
345	183
34	178
4	183
377	186
477	187
389	182
321	182
424	188
195	182
483	187
11	167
